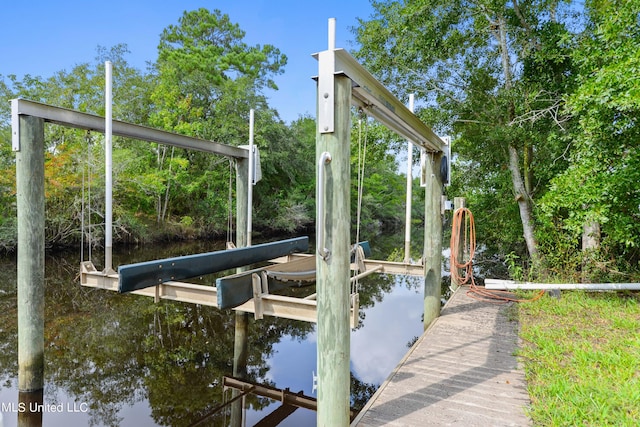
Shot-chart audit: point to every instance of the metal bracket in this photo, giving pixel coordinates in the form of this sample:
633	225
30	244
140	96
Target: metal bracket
15	126
447	154
326	90
258	291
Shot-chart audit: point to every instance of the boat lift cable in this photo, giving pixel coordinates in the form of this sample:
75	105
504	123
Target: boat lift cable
362	155
86	183
230	205
82	216
463	222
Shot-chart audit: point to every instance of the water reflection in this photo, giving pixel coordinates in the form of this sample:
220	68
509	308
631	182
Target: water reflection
390	327
30	409
123	360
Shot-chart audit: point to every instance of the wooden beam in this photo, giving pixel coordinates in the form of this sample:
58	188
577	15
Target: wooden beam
285	396
333	270
298	400
277	416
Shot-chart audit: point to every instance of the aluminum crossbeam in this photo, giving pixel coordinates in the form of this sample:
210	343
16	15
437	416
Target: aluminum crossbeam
78	120
368	93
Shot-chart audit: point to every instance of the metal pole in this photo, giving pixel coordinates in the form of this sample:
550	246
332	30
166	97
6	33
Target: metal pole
108	179
333	273
495	284
250	179
407	233
332	34
432	239
31	214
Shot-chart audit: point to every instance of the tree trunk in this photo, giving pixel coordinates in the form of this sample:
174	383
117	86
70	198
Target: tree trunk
528	170
524	205
590	246
166	193
520	188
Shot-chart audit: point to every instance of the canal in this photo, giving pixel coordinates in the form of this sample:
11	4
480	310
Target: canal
122	360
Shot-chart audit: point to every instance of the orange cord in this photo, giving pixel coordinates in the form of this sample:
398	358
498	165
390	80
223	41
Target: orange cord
456	265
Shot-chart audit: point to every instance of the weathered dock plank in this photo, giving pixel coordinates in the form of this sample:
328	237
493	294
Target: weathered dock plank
461	372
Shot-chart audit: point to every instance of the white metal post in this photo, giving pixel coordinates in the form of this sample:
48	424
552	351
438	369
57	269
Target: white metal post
332	34
251	182
108	180
407	234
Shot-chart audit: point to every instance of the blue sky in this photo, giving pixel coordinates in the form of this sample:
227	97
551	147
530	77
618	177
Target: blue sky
41	37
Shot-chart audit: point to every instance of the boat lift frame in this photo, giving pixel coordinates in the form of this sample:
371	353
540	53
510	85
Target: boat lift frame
342	82
90	276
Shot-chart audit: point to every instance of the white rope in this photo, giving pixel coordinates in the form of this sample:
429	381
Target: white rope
230	204
86	182
82	214
362	154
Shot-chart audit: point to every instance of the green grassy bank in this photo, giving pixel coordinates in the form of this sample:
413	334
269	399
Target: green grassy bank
581	355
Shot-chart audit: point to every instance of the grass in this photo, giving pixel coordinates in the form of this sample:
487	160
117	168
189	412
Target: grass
581	356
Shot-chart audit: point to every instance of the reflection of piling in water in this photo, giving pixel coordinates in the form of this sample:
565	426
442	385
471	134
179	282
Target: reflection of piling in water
239	363
30	206
243	238
30	409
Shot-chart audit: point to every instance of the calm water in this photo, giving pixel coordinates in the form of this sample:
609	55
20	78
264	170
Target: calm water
123	360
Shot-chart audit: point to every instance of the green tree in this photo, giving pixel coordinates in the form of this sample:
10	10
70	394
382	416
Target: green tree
599	188
284	199
473	63
207	80
71	155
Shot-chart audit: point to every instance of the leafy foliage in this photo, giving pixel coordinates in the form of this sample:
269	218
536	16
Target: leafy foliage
541	98
203	84
477	65
600	184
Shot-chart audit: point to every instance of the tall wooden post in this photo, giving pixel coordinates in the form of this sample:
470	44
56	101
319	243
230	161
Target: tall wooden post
458	203
241	330
432	239
30	204
333	272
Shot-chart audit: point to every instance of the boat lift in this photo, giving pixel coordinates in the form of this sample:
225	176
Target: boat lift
341	83
166	281
249	291
168	284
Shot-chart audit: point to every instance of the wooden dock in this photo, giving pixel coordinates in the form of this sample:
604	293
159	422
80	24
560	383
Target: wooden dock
461	372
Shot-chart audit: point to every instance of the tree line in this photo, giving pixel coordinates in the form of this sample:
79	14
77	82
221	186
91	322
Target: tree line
203	83
541	98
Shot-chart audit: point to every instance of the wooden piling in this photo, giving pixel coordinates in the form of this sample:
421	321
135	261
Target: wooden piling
432	239
30	204
333	273
30	408
241	329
